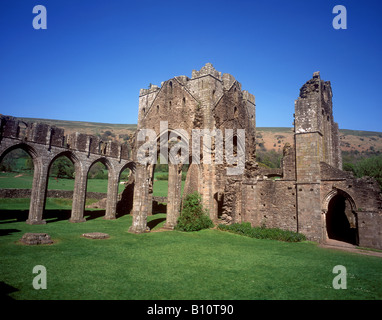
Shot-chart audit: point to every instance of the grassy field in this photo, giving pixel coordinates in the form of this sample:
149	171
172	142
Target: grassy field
208	264
24	181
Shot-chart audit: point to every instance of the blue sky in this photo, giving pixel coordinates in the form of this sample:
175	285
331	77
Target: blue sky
94	56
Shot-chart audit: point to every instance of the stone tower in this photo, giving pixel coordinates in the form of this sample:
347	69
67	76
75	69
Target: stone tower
316	141
207	101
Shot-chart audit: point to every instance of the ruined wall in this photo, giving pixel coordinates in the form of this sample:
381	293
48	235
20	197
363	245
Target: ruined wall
365	197
207	100
62	194
51	136
312	145
270	203
45	143
314	114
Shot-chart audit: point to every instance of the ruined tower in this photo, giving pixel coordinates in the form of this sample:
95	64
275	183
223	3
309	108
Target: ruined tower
208	101
309	193
316	141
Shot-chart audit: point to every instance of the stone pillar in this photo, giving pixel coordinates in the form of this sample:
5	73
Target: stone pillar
174	195
112	194
79	194
150	173
38	195
140	205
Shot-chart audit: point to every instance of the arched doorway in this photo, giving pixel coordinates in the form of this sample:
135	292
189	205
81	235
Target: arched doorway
341	219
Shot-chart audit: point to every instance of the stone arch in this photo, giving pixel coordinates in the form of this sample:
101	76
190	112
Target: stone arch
126	198
171	158
69	154
105	161
340	217
129	165
334	192
26	147
38	190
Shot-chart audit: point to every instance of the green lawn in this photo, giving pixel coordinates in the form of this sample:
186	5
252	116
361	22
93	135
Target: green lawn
160	186
24	181
208	264
51	203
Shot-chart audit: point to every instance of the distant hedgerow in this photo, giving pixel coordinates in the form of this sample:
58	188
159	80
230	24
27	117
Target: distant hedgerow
263	233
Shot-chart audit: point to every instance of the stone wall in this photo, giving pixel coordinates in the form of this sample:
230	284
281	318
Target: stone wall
63	194
271	203
208	100
51	136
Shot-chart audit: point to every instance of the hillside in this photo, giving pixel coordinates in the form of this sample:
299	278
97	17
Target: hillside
110	131
352	141
267	138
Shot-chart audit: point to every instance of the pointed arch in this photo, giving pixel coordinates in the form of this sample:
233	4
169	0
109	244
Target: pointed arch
332	194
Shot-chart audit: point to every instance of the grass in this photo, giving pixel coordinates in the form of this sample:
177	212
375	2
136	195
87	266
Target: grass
160	186
24	181
208	264
51	203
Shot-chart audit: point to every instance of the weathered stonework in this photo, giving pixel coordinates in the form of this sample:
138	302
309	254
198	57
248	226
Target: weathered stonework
36	238
309	193
96	235
45	144
209	100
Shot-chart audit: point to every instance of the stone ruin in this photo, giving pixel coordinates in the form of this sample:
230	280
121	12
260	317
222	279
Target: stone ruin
309	193
45	143
36	238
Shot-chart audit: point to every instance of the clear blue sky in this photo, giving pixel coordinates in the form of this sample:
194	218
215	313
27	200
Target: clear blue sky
95	55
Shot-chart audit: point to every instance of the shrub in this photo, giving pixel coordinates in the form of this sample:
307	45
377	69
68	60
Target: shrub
193	216
263	233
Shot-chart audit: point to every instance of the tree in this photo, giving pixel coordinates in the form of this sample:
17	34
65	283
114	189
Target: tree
371	167
62	168
194	216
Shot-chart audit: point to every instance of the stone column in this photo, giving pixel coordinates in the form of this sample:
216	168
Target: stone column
140	205
174	195
79	194
38	195
112	194
150	172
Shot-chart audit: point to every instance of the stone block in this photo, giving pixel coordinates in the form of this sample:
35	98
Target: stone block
36	238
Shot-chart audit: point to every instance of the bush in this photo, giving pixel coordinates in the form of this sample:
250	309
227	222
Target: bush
371	167
263	233
193	216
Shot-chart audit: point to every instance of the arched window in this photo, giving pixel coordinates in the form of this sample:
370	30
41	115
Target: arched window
235	112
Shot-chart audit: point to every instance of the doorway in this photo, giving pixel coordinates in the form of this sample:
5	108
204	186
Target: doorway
341	220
